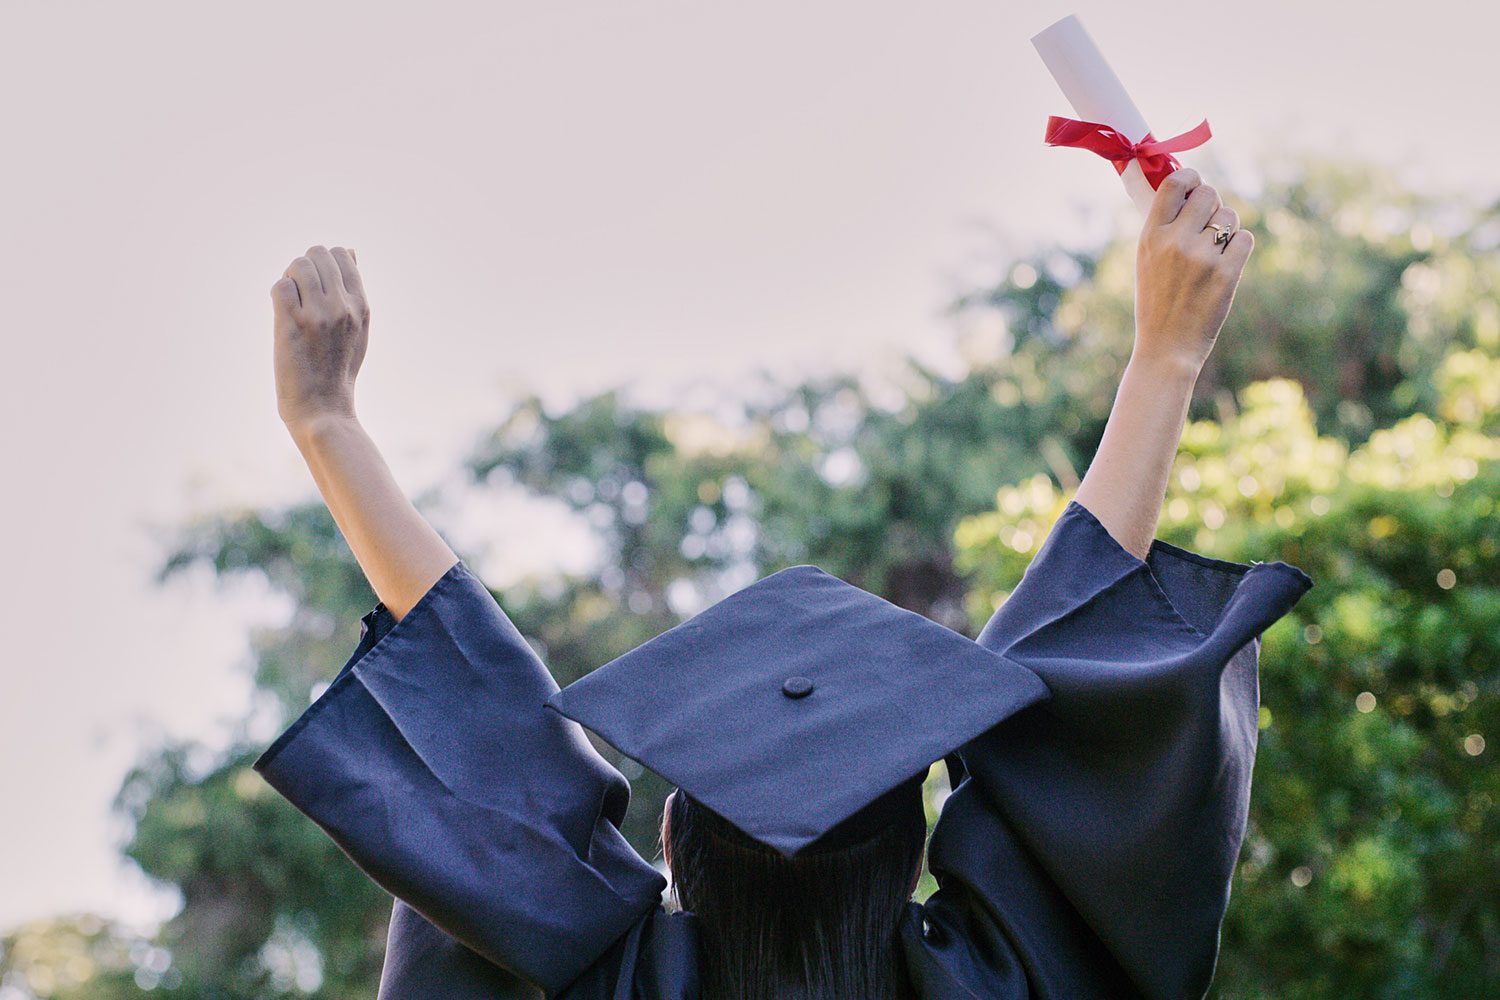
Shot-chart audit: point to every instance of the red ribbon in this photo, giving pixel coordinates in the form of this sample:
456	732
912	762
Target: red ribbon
1154	155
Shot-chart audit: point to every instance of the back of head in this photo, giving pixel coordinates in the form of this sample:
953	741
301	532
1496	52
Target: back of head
820	925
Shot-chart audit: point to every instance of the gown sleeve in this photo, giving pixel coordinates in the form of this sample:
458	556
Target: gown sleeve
432	763
1089	852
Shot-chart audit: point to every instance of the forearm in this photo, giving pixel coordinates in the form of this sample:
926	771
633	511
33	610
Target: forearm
401	554
1127	480
1186	275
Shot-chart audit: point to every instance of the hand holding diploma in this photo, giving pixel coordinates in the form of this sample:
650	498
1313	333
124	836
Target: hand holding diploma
1188	265
1185	283
1112	126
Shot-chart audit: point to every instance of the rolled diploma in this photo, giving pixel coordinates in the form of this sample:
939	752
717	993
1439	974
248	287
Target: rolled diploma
1096	94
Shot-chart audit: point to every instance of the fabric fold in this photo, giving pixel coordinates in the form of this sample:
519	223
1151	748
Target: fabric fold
1127	791
431	762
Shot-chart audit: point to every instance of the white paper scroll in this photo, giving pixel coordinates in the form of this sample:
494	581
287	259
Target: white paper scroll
1095	93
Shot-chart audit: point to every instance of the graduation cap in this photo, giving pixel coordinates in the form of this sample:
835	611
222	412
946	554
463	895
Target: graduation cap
802	709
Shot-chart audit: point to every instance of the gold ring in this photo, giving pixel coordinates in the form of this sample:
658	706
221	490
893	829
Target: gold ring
1222	234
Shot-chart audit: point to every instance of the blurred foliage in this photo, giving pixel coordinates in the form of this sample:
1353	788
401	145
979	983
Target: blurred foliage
1357	286
1345	424
256	917
82	957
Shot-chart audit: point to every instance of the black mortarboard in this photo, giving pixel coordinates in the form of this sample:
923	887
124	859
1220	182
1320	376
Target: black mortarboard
794	704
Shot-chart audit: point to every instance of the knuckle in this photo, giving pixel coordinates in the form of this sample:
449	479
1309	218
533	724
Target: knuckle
1182	179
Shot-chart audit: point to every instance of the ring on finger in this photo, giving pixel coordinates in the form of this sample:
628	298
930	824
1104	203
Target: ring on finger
1222	234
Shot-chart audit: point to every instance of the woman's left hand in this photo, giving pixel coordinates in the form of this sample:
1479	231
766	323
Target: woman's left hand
322	328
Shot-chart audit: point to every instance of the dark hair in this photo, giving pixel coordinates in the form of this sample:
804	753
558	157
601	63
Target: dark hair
817	926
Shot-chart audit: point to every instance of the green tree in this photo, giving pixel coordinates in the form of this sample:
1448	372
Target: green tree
81	957
1357	285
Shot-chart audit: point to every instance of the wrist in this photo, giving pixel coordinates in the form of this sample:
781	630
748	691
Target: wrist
1169	367
309	430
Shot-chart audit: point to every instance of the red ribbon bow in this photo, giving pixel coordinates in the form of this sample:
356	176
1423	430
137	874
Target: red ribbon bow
1154	155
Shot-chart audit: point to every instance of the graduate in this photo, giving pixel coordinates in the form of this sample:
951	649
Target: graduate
1100	733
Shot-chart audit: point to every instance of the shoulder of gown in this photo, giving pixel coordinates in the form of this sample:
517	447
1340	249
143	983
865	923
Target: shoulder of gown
1088	853
432	763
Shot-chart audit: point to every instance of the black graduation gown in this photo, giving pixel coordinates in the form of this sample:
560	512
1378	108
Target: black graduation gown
1087	854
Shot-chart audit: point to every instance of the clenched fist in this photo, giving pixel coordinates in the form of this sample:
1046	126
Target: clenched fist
322	329
1185	281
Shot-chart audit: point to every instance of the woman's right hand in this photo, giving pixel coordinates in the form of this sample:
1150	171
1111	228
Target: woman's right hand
322	329
1185	281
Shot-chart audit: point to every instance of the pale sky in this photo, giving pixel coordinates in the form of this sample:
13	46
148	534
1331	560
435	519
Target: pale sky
561	196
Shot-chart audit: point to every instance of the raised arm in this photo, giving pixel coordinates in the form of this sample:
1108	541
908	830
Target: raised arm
322	329
1185	283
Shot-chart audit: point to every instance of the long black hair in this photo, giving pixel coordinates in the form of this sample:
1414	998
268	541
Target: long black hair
817	926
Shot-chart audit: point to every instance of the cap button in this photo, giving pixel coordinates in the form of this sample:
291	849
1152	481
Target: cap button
797	687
